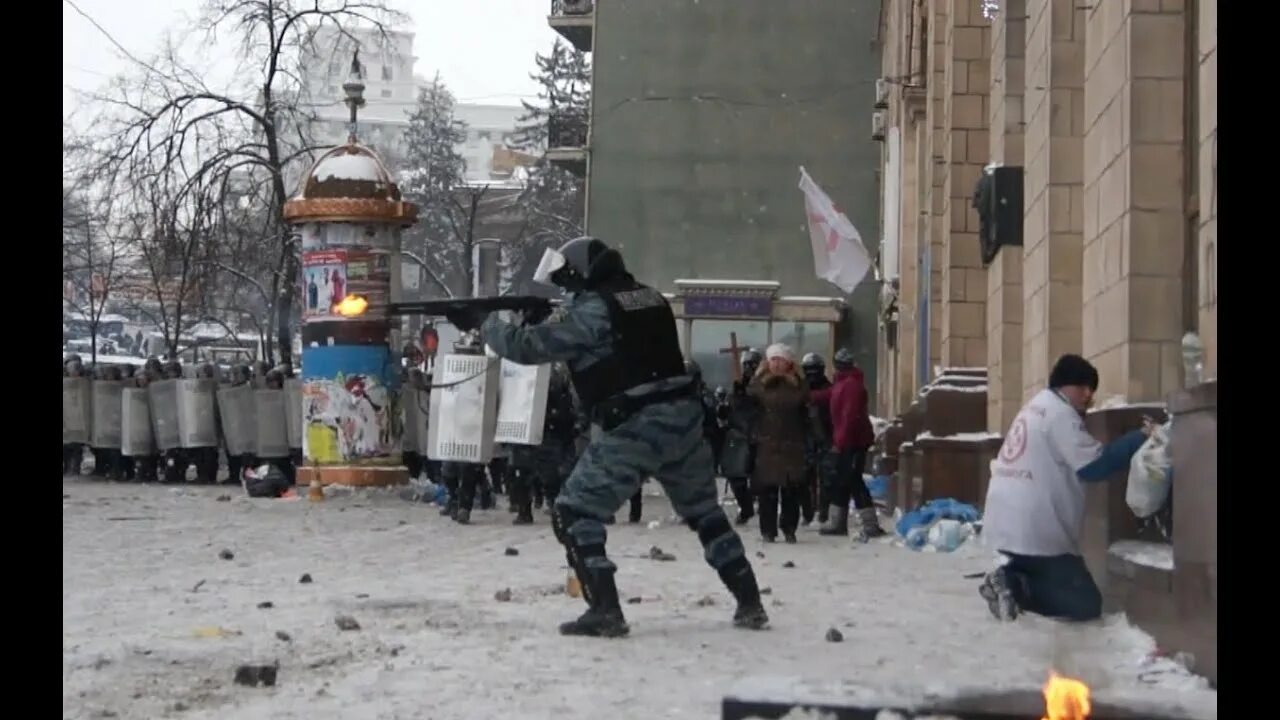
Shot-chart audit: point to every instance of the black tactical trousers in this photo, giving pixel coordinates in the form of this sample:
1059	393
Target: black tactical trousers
413	463
522	482
466	479
72	457
637	505
789	498
175	465
847	483
498	468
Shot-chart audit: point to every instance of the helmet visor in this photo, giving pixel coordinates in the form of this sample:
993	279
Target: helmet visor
551	261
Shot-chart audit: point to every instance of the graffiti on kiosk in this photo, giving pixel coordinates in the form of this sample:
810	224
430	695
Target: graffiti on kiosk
352	417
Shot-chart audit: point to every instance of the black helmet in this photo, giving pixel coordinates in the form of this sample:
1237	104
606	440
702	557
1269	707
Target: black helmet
587	263
751	359
813	362
844	359
692	368
721	393
173	370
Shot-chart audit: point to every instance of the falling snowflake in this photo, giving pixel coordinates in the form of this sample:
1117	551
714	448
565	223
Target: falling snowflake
990	9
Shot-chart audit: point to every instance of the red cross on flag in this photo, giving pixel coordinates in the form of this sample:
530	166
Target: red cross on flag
839	257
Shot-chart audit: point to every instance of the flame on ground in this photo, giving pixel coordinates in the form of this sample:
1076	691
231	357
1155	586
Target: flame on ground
351	306
1065	698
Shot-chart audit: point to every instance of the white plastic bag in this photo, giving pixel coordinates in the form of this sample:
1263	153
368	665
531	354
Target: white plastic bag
1148	486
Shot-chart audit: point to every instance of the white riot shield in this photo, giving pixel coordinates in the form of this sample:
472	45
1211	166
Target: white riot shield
464	416
106	414
272	435
416	410
77	410
522	403
293	412
238	413
137	439
164	414
197	416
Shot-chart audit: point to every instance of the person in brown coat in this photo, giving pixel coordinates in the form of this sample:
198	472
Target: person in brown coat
779	473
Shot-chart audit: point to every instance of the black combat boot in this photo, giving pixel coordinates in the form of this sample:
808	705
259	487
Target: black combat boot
524	514
604	616
741	581
450	507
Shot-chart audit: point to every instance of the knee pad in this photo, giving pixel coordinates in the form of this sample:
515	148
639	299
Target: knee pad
721	545
577	529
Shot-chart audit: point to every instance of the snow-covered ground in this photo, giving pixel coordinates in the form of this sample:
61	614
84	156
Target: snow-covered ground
145	592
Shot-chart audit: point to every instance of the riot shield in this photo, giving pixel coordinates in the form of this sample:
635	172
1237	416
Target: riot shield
77	410
106	414
137	439
239	416
464	416
272	435
197	419
293	412
522	403
164	413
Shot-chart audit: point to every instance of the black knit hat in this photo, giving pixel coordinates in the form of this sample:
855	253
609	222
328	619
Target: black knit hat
1073	370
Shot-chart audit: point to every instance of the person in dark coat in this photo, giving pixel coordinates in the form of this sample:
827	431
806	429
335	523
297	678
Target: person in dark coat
817	443
738	455
781	428
853	436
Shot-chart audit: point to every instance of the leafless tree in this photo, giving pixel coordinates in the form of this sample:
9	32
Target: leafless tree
196	139
92	255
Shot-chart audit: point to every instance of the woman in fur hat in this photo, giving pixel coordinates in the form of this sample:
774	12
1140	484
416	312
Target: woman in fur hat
779	473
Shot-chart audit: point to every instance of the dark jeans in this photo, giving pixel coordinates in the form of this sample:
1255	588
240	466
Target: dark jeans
847	483
1056	586
789	495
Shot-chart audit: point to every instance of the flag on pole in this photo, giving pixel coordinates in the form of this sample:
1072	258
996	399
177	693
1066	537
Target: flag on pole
839	257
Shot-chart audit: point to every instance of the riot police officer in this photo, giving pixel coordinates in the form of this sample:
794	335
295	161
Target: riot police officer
73	452
274	380
239	376
739	455
206	458
619	339
817	442
176	460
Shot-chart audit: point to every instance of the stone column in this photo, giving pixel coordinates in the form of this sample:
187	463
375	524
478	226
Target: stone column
964	281
1053	187
1207	120
935	192
1135	203
1004	275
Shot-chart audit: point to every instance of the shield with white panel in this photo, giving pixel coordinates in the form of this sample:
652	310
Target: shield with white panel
164	414
522	403
238	414
197	413
106	414
77	410
137	438
293	412
464	409
272	433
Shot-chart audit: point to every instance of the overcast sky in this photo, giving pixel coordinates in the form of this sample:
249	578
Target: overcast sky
483	48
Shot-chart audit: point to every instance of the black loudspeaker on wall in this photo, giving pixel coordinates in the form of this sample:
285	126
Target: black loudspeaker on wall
998	200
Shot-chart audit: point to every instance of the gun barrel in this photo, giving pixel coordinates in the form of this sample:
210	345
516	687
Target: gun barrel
440	307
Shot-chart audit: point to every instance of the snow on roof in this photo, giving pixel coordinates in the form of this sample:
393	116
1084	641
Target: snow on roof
109	359
811	298
348	167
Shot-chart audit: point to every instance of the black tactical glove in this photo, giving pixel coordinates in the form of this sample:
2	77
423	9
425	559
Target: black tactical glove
535	315
466	319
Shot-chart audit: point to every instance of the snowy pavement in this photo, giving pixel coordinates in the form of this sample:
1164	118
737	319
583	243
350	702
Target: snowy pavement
155	623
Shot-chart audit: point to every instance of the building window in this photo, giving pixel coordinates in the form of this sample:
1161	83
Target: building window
385	93
386	73
709	337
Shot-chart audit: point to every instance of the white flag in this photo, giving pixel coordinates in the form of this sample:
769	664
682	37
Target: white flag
839	257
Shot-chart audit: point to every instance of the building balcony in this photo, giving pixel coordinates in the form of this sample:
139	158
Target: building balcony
567	142
575	20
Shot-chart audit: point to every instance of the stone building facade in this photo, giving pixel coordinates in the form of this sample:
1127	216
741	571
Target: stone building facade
1110	110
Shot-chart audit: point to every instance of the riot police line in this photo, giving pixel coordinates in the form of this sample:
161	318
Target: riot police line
154	423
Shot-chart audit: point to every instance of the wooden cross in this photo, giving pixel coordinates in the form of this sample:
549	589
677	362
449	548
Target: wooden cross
736	353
